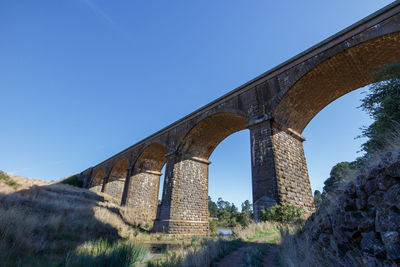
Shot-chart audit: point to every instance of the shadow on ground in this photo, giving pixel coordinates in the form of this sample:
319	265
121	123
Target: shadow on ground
42	225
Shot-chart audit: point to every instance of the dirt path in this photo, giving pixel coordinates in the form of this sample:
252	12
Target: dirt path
269	259
233	259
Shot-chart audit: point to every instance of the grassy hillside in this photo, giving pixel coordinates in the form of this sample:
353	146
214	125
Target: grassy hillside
42	223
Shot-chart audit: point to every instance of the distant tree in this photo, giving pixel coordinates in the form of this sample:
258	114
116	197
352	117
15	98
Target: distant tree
212	208
338	173
382	103
227	213
224	217
233	208
243	218
221	203
247	208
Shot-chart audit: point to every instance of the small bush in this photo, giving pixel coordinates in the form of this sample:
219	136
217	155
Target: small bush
7	179
73	180
281	213
243	219
213	227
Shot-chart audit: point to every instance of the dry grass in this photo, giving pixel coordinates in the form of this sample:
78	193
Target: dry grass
205	252
19	183
41	222
256	230
295	251
198	255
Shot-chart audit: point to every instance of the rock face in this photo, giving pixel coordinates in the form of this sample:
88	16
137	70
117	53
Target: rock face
361	227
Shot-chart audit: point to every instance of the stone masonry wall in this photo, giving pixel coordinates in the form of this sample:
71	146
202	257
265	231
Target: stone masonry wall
115	188
361	226
185	207
143	195
96	188
265	193
291	169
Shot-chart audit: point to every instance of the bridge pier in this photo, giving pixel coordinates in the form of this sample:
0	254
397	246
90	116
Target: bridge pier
279	170
105	181
142	194
184	206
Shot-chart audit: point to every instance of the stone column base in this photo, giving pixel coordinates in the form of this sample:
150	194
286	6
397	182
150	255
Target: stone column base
181	227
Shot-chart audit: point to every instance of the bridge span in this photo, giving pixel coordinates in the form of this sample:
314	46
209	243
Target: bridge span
275	107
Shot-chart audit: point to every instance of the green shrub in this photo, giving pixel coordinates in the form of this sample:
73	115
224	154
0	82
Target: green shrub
73	180
281	213
213	227
103	253
243	219
7	179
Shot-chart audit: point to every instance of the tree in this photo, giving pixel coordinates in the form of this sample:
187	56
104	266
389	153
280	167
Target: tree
247	208
222	204
212	208
233	208
338	173
243	218
382	103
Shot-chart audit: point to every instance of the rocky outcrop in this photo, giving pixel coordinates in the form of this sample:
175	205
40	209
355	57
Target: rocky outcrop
361	226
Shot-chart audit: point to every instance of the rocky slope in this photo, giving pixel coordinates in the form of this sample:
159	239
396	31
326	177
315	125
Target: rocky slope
361	226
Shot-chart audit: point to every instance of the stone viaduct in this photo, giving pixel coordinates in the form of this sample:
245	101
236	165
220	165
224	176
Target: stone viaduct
275	107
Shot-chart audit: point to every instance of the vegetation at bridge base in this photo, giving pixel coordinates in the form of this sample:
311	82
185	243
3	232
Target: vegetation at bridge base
226	214
284	213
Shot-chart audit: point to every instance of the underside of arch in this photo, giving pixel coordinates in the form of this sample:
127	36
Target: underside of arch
152	158
336	76
97	181
203	138
116	180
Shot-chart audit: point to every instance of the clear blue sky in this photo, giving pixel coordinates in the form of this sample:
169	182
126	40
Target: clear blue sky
81	80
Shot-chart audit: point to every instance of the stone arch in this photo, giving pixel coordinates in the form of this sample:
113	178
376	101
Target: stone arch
97	181
204	137
152	158
144	183
116	179
338	75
